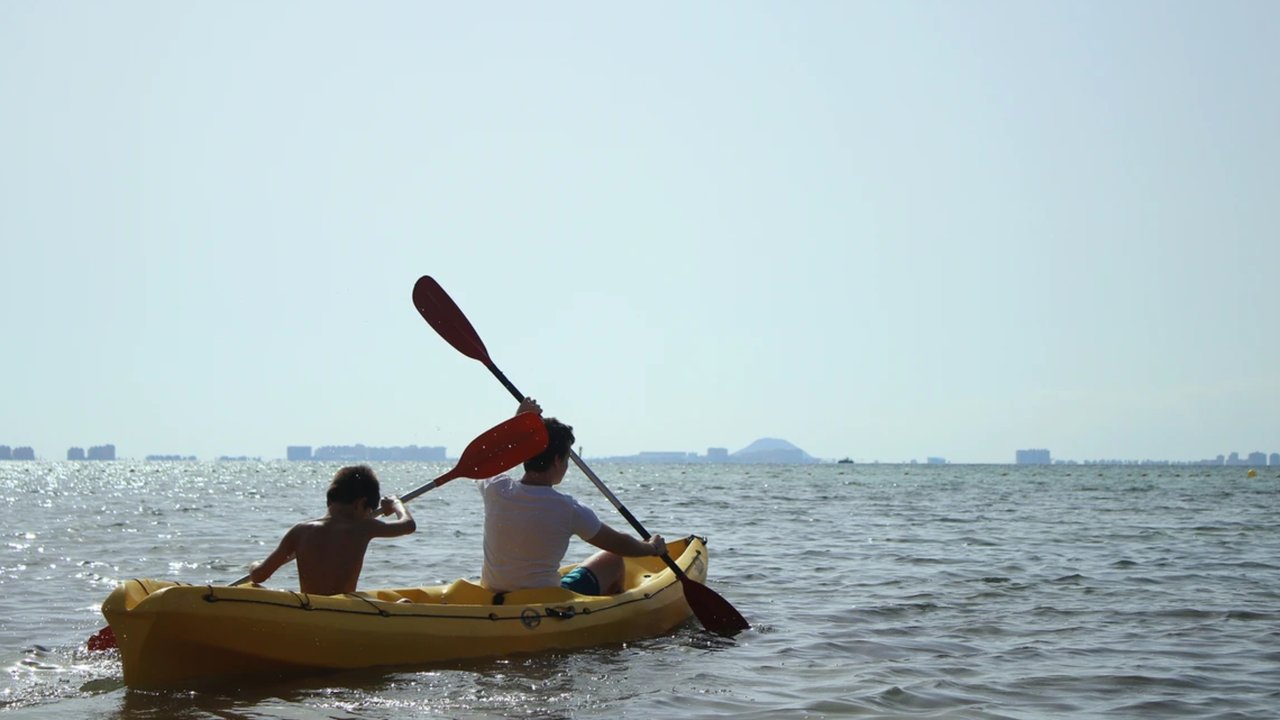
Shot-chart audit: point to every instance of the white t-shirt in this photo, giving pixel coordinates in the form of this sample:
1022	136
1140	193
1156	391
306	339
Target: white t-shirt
526	533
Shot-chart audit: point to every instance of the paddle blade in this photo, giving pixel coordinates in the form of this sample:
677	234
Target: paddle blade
714	612
104	639
439	310
501	448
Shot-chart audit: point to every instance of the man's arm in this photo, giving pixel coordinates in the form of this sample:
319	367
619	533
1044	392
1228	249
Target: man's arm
627	545
283	553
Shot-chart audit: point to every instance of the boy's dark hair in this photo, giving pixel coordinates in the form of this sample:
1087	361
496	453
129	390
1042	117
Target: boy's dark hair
559	443
352	483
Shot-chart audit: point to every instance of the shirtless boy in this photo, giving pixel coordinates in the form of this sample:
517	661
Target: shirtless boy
330	550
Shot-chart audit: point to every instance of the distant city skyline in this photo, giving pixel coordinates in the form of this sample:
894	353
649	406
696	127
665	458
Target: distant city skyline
1041	456
764	450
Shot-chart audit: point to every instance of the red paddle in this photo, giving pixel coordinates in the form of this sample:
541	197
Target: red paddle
438	309
497	450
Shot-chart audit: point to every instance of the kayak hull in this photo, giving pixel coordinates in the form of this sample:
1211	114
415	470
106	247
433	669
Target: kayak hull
172	634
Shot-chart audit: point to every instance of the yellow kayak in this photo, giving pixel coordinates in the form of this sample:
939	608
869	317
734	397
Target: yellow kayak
173	634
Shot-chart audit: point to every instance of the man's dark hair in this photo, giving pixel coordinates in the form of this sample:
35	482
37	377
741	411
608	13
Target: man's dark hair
354	482
559	443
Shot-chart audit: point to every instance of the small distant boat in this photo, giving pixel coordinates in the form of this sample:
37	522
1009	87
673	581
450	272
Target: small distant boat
174	635
845	461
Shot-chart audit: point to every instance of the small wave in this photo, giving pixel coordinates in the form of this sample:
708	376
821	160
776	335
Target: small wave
895	611
1250	615
918	699
1251	565
1180	614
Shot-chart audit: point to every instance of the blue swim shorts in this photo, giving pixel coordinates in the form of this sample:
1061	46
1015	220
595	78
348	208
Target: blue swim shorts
581	580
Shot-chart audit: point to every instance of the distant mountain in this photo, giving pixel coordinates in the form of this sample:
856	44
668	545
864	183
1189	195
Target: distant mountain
772	450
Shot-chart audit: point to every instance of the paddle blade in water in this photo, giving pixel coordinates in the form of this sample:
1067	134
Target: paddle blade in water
104	639
443	314
714	612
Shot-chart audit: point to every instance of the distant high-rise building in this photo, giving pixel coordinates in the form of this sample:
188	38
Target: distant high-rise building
1257	459
75	453
24	453
718	454
1234	459
665	456
6	452
364	453
298	452
1037	456
1275	459
102	452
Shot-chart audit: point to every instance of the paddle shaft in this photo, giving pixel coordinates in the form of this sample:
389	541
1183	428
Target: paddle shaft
443	314
591	475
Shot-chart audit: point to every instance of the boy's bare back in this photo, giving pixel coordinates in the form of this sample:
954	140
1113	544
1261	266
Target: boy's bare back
330	551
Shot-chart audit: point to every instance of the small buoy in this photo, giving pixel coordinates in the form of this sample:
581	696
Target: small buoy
1253	473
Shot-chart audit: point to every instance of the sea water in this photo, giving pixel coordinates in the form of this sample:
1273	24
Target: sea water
951	591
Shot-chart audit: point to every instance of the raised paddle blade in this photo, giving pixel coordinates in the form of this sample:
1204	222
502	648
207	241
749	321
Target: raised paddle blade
500	448
442	313
714	612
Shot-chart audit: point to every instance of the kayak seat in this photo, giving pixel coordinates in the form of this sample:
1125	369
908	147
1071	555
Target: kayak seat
465	592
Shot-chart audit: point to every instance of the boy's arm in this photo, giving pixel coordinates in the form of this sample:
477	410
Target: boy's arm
283	553
403	524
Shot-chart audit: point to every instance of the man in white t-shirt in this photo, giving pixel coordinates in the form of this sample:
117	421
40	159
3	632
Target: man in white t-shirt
528	524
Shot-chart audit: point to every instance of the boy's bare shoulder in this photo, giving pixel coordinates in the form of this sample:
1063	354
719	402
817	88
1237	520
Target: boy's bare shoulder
338	525
308	526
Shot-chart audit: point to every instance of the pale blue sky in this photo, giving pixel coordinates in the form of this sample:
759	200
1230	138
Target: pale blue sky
879	230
